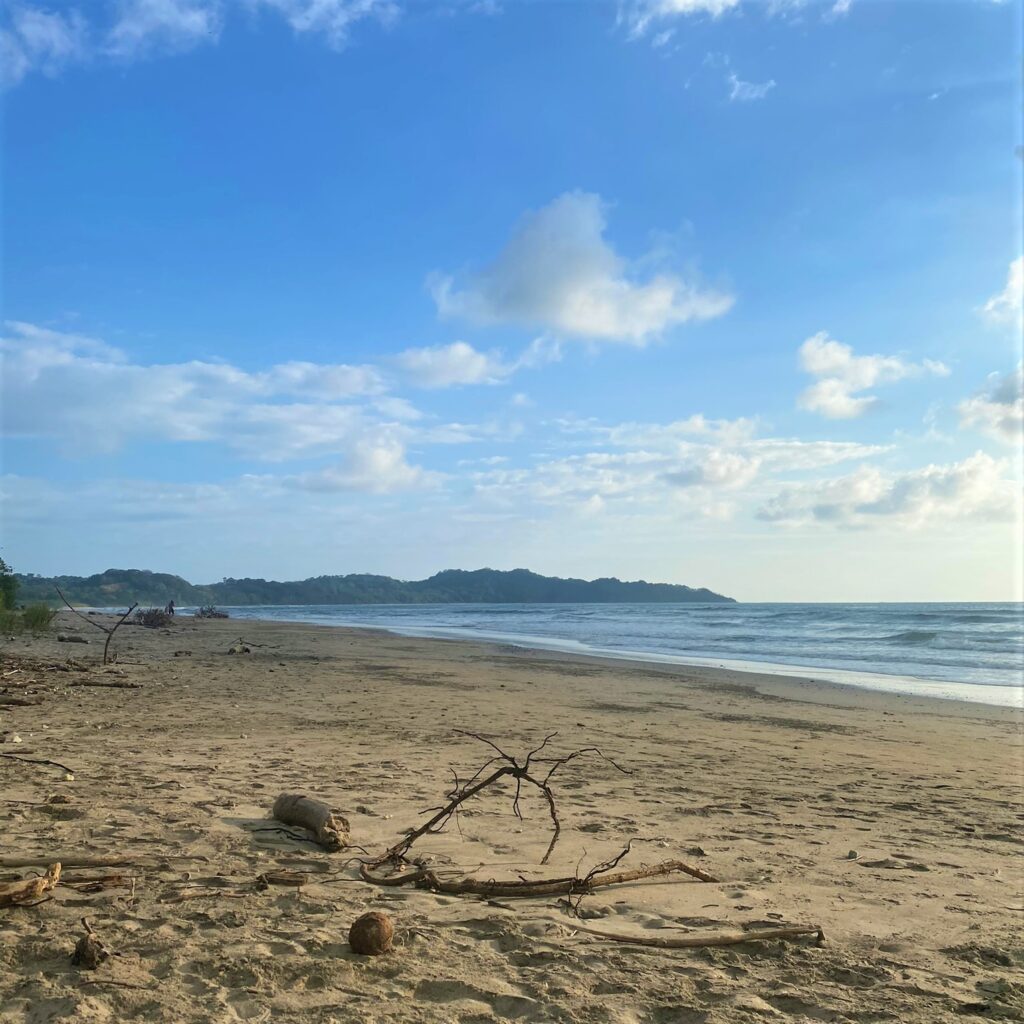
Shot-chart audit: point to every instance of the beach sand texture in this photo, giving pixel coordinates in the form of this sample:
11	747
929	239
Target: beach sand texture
893	822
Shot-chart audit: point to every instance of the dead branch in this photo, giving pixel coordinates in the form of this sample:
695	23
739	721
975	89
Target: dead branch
696	941
23	892
89	950
19	702
109	630
37	760
523	771
599	877
71	860
114	685
330	830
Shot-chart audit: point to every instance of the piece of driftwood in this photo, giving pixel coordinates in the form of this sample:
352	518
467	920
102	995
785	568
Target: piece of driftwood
330	830
573	885
19	702
28	890
71	860
38	760
282	876
111	684
89	950
699	940
71	638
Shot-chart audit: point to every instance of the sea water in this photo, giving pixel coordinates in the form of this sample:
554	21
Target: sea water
961	651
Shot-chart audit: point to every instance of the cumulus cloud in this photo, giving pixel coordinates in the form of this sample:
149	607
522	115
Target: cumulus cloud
372	465
842	376
35	39
1005	306
559	272
641	15
998	409
443	366
979	488
88	396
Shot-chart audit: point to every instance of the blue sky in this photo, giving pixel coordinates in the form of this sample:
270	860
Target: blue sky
702	291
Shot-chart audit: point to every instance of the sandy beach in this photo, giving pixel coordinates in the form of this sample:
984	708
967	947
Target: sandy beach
892	822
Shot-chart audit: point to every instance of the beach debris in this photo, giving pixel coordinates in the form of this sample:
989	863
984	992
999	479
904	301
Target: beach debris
536	770
239	647
153	618
89	950
18	702
282	876
707	939
330	830
71	860
110	684
109	630
69	775
29	890
209	611
371	934
71	638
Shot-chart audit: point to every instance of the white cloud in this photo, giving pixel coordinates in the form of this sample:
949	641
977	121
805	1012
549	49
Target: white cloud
1005	306
641	15
978	488
165	25
740	91
998	410
35	39
373	466
444	366
88	397
842	376
333	19
559	272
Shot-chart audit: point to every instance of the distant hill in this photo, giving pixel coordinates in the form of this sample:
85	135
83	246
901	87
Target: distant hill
482	586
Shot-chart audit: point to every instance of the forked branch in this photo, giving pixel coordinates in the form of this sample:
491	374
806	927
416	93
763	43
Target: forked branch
109	630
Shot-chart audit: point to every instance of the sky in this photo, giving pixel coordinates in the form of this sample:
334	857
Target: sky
710	292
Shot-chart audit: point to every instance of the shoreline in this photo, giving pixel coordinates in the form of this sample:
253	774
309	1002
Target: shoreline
800	676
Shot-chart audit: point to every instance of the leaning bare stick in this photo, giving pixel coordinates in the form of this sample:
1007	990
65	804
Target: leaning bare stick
109	630
28	890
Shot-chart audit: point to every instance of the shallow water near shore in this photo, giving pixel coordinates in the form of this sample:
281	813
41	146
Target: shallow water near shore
959	651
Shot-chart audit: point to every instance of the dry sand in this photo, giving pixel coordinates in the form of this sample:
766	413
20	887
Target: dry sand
893	822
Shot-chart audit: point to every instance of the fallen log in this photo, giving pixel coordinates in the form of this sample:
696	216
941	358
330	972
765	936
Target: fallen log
330	830
115	685
28	890
71	860
19	702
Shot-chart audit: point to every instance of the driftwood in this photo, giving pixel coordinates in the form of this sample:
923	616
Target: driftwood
38	760
28	890
71	860
109	630
524	771
697	941
114	685
89	950
573	885
19	702
330	830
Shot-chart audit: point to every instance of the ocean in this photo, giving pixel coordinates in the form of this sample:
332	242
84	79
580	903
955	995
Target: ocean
960	651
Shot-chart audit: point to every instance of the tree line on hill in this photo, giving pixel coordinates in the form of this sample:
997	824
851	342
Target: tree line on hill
482	586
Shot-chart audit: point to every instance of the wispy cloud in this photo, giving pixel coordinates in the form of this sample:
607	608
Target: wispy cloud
1005	307
843	376
744	92
35	39
558	272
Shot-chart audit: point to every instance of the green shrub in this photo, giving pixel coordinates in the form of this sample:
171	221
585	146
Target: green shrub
38	617
10	622
8	585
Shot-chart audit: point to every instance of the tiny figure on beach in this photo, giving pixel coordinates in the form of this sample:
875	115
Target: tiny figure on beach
170	608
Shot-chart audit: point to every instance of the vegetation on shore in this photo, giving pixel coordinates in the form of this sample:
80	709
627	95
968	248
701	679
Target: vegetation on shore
483	586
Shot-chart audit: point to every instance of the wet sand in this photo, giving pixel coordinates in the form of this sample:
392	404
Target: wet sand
893	822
